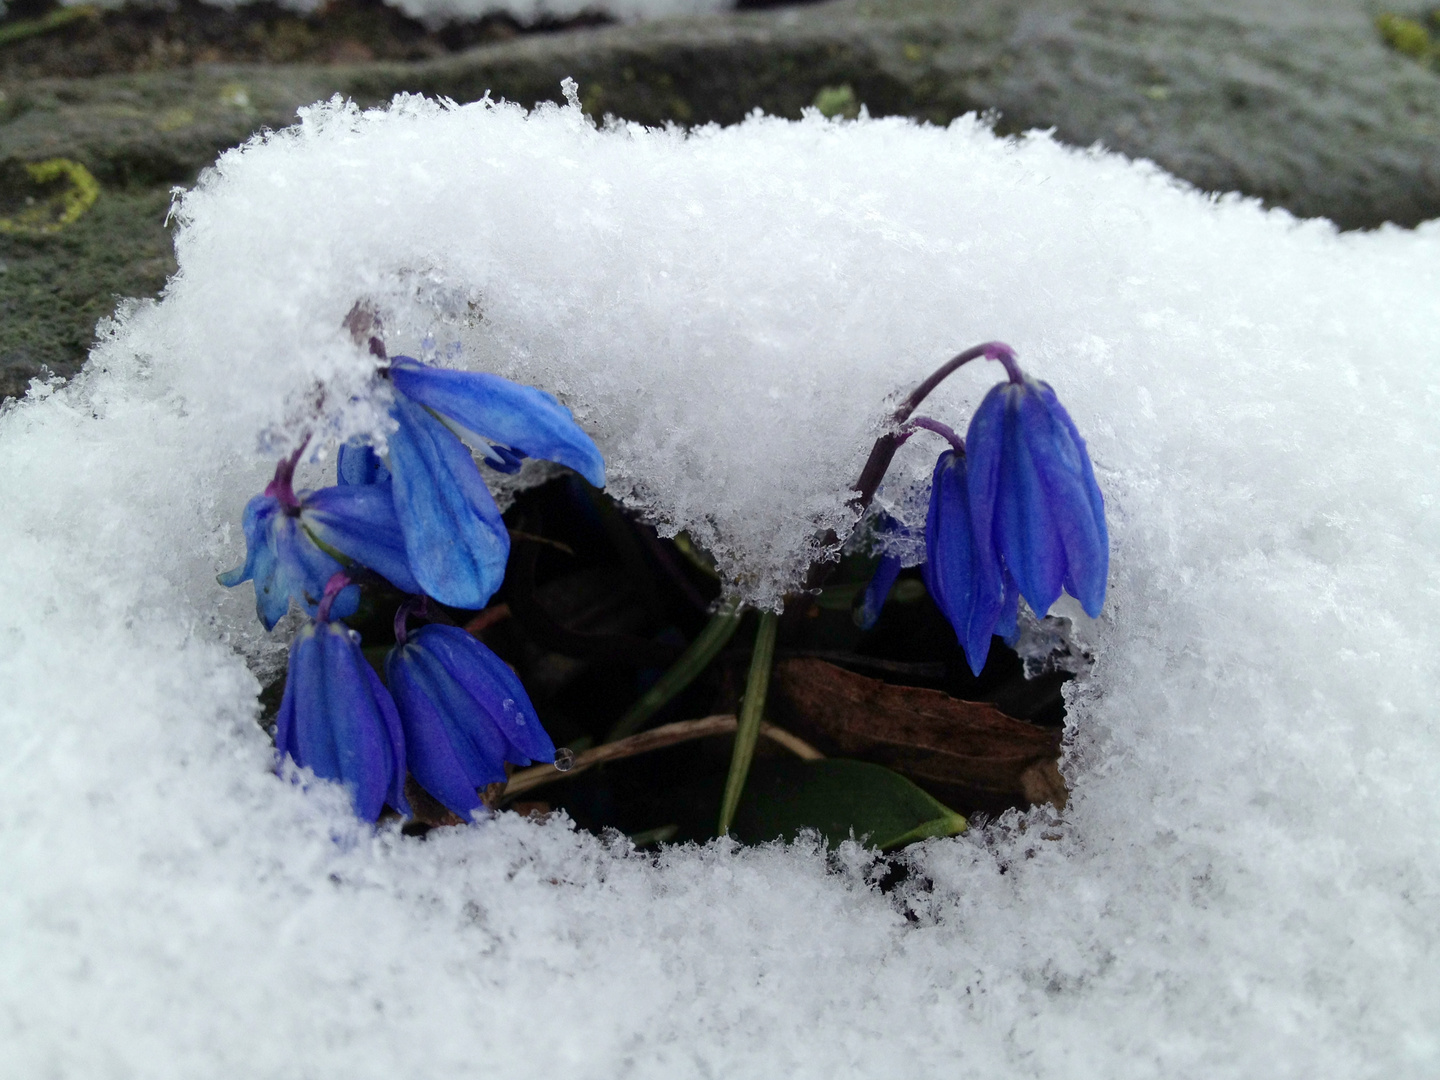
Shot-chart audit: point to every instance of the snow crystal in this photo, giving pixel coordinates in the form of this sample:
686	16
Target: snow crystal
1245	880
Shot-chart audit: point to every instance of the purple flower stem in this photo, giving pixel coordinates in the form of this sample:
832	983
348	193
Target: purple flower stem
337	582
282	487
883	452
945	431
886	445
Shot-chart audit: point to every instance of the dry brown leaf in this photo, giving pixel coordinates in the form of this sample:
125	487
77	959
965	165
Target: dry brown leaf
968	754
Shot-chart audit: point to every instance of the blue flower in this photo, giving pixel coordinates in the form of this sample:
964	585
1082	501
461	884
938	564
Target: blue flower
337	719
284	562
964	577
465	714
1033	500
455	540
295	544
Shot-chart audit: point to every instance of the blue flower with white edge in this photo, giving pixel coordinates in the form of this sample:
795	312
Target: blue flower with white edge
1033	498
456	542
336	717
464	712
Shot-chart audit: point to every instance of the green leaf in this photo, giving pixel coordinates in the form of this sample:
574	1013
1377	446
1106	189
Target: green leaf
838	797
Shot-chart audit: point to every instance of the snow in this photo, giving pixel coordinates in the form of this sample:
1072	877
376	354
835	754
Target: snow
1245	880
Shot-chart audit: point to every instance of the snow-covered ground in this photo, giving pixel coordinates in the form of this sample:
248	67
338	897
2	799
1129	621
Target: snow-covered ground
1247	879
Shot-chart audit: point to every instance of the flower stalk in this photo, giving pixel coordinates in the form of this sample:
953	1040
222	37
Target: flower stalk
747	730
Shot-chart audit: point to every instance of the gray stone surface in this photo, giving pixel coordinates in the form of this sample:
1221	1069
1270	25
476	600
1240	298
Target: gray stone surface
1298	103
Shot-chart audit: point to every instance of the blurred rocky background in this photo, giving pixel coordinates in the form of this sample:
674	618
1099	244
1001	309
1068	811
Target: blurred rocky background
1323	107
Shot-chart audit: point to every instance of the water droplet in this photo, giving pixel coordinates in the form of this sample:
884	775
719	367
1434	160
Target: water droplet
355	636
564	759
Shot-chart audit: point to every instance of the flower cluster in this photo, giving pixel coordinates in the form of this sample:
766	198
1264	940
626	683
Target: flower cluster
1014	512
449	712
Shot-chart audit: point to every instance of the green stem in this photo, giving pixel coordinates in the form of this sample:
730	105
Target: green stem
757	684
692	662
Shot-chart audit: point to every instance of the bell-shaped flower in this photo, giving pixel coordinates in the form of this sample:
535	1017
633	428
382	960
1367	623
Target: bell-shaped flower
296	543
284	562
1033	499
455	540
464	712
964	577
337	718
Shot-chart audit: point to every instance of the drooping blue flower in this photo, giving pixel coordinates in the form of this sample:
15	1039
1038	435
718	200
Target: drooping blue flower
464	712
296	543
964	577
455	540
338	719
284	562
1033	497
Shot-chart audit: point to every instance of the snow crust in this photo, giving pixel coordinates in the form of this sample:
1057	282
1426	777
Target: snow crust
1245	882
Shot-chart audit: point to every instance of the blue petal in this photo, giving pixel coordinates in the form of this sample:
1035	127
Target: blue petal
360	523
360	465
304	570
262	564
310	739
964	580
500	411
494	688
338	720
430	754
299	670
1026	533
879	588
255	524
1069	479
1007	626
453	747
455	540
